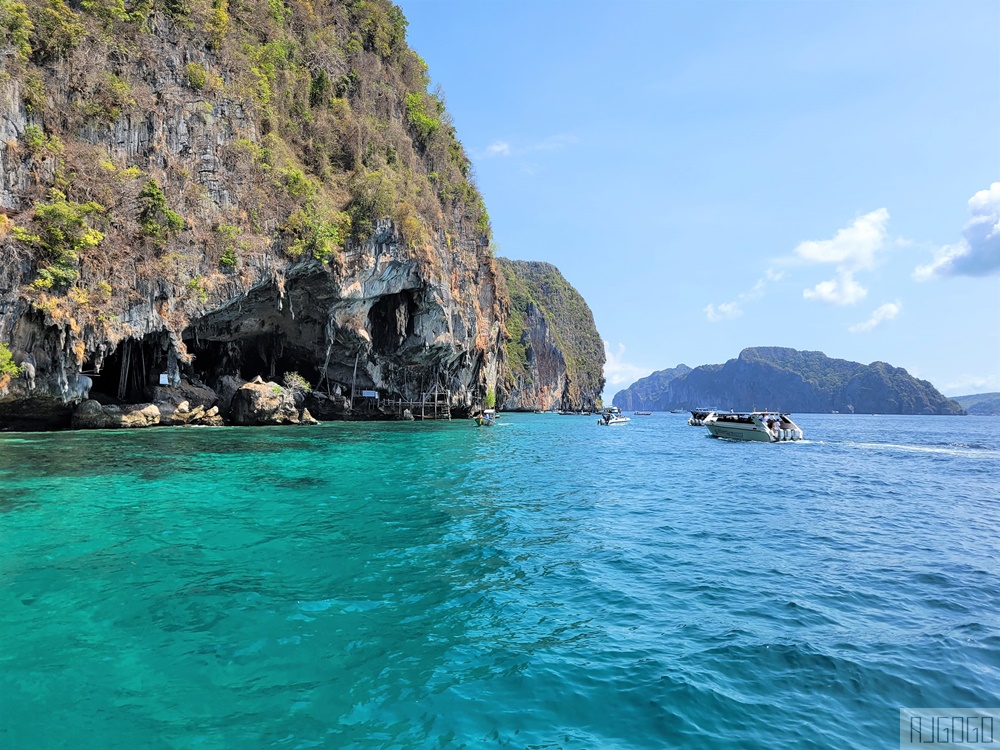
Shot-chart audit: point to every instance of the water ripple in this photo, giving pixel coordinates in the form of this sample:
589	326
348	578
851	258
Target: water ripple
545	584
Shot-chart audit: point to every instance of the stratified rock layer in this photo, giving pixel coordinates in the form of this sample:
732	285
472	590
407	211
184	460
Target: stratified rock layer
387	323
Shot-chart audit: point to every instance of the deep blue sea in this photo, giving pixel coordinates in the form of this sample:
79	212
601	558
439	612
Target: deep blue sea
547	583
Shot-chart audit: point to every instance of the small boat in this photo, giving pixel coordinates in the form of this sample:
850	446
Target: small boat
487	419
761	426
612	416
643	413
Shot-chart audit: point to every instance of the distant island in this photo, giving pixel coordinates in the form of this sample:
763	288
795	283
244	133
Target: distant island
772	377
980	404
647	393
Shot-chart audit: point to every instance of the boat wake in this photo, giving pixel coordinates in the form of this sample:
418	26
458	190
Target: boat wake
968	451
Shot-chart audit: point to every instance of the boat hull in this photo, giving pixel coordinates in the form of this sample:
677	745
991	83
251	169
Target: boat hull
739	432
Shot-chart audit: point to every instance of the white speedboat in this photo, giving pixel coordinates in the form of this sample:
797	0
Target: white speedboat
762	426
612	416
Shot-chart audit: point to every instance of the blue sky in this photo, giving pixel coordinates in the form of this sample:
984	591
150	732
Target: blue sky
717	175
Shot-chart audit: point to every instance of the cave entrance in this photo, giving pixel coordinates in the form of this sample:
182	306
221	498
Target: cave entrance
391	321
125	374
266	355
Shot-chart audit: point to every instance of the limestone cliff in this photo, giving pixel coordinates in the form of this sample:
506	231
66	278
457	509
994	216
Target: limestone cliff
645	394
555	355
198	190
774	377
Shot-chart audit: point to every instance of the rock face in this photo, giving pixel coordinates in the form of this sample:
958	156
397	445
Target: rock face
184	404
191	195
555	355
797	381
263	403
644	394
91	415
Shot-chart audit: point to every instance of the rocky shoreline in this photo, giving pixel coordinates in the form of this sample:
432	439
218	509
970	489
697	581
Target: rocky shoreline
254	403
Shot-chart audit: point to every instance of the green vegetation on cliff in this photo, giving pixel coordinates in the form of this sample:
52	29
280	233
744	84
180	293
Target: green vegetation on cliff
539	288
519	294
824	373
7	367
161	130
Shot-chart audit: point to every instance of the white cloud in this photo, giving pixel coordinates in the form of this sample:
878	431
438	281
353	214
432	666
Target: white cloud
498	148
772	275
851	249
619	372
725	311
554	142
549	143
977	253
966	385
888	311
843	290
734	309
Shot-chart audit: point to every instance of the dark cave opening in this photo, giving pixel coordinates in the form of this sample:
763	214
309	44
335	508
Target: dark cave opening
391	321
267	355
128	371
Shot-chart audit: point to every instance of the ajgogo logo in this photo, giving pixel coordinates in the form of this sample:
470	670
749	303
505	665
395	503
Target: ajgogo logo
942	728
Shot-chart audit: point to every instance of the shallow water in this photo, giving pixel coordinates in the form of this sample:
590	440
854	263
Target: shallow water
546	583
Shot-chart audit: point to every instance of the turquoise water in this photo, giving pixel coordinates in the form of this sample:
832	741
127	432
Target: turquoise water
547	583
